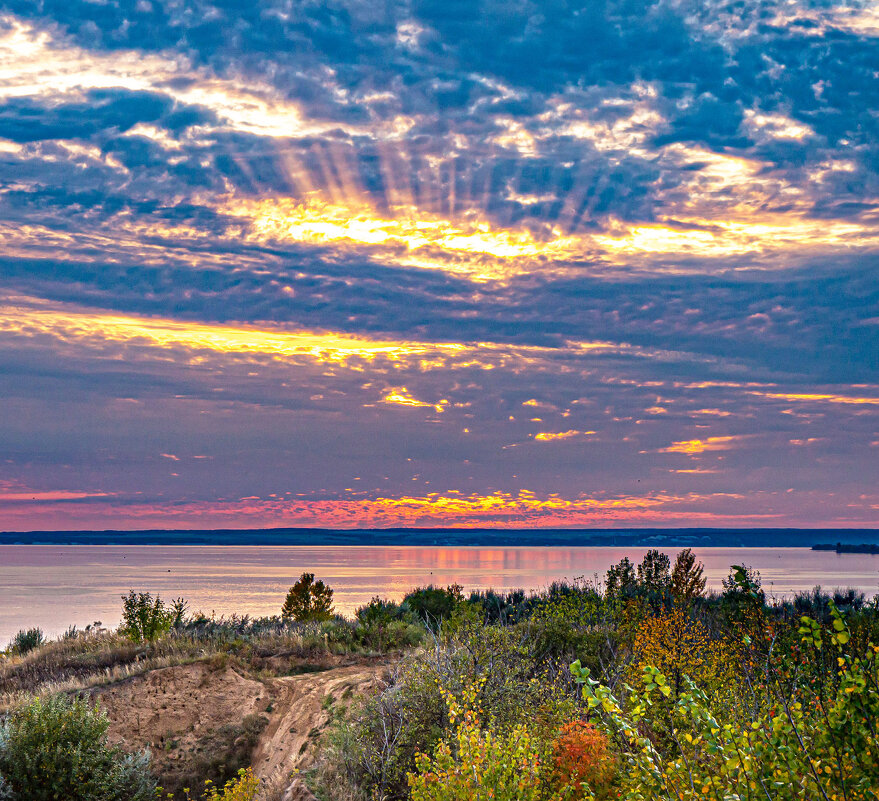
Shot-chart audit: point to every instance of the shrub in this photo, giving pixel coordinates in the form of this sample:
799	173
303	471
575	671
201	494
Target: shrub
372	751
680	645
57	749
580	755
478	763
145	619
241	788
26	641
308	599
806	734
433	604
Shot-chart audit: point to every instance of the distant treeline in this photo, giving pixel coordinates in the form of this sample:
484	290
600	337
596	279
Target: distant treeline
841	547
456	537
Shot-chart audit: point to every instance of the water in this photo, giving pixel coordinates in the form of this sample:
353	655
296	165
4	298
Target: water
54	587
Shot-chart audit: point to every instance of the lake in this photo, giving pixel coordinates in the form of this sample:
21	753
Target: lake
54	587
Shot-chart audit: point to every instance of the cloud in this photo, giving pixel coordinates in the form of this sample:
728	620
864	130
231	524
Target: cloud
293	239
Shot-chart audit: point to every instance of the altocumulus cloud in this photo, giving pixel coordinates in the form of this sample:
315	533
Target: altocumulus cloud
231	232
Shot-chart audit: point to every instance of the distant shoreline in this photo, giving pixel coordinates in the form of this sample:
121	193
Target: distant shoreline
457	537
841	547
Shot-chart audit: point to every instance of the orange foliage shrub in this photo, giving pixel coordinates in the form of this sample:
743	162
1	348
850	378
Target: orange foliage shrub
580	755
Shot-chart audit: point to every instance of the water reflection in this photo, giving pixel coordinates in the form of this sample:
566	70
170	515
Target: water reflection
56	586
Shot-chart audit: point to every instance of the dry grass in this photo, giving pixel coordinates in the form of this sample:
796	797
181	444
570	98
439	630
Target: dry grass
264	647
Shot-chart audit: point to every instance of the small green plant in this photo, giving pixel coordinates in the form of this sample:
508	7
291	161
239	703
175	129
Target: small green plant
57	749
308	599
145	619
27	640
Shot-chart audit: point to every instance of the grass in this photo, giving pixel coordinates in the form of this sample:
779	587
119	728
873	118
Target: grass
264	647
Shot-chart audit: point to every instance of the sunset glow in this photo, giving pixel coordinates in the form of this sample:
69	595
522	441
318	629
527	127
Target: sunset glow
348	267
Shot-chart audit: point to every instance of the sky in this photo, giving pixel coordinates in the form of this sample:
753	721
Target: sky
356	263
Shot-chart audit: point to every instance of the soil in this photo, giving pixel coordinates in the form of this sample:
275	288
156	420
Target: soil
207	719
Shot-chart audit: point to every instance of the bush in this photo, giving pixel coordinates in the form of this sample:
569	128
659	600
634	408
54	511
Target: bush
242	788
581	755
433	604
477	763
26	641
373	750
145	619
57	749
308	599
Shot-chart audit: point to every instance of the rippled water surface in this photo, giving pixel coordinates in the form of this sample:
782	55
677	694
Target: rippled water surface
56	586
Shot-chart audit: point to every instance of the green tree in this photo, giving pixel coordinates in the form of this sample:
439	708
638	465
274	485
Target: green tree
308	599
620	578
654	572
56	748
687	576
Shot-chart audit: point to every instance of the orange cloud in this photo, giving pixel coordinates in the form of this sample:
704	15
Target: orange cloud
818	398
547	436
450	508
402	397
695	446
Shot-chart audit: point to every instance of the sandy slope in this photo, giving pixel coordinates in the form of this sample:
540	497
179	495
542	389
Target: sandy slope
190	713
301	712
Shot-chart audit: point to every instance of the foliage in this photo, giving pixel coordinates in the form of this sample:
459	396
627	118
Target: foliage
742	587
477	763
241	788
805	736
308	599
678	644
26	641
654	572
687	577
620	578
57	749
385	626
433	604
581	755
145	619
373	749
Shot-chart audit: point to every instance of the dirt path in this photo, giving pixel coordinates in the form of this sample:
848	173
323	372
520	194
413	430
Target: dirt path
196	717
303	708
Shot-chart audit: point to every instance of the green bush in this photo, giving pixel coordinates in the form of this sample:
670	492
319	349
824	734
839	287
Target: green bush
26	641
145	619
308	599
433	604
57	749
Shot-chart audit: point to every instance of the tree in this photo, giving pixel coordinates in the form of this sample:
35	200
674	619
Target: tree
687	579
620	578
678	645
653	572
308	599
